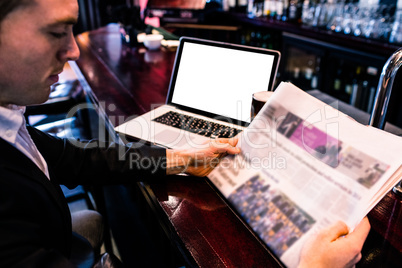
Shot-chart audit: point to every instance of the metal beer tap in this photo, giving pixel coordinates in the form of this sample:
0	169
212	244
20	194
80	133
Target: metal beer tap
384	89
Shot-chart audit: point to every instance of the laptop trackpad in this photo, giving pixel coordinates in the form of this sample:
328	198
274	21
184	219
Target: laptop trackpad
176	139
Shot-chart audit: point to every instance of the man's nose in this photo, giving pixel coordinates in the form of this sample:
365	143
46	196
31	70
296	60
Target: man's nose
70	51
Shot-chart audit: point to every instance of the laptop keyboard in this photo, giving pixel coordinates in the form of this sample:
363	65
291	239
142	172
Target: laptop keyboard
196	125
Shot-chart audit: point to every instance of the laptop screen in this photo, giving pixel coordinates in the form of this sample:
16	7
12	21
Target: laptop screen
218	79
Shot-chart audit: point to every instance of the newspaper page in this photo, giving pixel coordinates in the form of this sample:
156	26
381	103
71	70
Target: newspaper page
304	165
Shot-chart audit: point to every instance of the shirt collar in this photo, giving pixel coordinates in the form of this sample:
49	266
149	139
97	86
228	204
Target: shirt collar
11	119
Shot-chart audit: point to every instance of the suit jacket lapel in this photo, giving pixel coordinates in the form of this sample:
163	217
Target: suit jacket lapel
11	158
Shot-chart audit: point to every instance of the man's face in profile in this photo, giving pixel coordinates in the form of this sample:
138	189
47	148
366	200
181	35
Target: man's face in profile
36	40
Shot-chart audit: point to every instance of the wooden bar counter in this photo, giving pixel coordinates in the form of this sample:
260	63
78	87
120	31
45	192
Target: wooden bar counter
128	81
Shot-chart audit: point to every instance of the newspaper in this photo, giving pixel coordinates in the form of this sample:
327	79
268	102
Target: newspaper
304	165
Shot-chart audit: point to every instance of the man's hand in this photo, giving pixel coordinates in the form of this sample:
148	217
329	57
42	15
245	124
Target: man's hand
335	246
200	162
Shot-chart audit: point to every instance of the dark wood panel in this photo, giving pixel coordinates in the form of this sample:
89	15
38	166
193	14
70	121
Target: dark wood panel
386	219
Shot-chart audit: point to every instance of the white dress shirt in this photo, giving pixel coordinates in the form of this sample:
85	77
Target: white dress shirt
13	130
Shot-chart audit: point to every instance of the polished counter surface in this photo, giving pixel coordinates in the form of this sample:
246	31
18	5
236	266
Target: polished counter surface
128	81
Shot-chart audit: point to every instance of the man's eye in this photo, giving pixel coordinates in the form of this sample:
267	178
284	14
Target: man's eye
58	35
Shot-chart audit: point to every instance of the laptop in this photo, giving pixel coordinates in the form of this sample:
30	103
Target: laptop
210	94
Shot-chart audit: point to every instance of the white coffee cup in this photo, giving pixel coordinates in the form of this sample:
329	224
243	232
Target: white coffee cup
153	41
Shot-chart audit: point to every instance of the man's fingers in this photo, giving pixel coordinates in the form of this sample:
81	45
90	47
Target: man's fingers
335	231
232	141
225	146
340	229
360	233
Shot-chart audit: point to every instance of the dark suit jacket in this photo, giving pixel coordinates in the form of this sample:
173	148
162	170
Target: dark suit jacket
35	223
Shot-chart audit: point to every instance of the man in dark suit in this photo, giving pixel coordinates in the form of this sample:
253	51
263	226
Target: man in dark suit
35	224
36	40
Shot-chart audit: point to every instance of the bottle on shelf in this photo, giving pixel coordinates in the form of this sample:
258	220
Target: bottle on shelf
348	81
225	5
372	78
279	9
255	8
285	10
320	12
356	96
267	40
354	93
241	6
337	85
365	94
273	9
308	76
267	6
296	75
230	4
250	8
294	11
396	32
370	102
307	16
316	80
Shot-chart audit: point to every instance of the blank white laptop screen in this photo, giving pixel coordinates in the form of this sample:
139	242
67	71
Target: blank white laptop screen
220	80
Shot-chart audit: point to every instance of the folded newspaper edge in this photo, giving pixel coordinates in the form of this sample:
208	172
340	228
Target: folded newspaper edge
303	166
